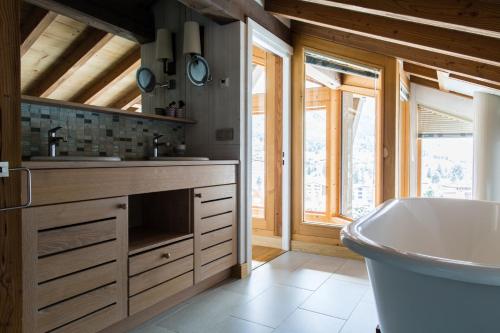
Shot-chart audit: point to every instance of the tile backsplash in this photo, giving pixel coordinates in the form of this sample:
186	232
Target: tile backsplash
92	133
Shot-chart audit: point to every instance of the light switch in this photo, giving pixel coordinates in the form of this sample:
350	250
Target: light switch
224	134
4	169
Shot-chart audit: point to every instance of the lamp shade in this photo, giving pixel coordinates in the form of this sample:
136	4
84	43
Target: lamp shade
192	43
164	45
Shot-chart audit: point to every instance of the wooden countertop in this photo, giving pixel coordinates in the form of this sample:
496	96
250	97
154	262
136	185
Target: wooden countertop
34	165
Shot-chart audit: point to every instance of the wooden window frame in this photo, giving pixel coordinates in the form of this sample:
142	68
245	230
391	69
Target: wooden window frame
386	130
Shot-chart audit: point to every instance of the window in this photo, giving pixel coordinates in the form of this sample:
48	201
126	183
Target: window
446	170
340	141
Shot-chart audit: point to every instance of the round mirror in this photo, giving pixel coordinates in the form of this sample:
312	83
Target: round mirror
146	80
198	71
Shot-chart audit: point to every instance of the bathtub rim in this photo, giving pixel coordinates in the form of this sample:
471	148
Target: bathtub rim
459	270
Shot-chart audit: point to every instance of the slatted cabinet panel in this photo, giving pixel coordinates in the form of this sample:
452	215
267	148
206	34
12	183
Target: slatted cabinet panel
75	268
215	230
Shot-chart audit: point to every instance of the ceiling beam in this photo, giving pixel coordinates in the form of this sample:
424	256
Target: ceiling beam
79	52
474	81
435	60
127	99
225	11
33	25
97	87
417	70
137	26
481	17
407	34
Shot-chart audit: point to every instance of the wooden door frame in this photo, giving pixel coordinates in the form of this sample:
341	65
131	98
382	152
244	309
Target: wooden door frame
10	150
257	34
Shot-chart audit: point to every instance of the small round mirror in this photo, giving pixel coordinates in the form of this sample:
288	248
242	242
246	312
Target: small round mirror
146	80
198	71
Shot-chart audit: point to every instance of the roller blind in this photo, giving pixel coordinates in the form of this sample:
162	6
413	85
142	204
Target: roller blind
432	122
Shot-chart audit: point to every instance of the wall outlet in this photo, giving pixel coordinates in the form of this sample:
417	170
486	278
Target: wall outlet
224	134
4	169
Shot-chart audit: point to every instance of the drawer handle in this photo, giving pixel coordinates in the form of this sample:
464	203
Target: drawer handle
122	206
198	195
166	255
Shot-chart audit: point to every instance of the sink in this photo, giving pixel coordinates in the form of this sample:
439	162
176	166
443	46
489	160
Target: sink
76	159
178	158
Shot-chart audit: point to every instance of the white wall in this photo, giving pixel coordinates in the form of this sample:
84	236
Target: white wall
451	103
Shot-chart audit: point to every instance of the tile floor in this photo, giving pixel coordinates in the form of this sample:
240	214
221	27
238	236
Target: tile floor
294	293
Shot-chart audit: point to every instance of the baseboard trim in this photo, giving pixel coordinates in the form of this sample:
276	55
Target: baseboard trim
240	271
268	241
325	249
137	319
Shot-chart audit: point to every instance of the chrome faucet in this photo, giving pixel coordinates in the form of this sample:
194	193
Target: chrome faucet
53	140
157	144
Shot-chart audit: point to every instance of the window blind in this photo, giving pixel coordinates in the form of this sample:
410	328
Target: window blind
434	123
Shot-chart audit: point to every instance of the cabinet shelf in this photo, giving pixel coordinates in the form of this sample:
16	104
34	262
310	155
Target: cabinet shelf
146	238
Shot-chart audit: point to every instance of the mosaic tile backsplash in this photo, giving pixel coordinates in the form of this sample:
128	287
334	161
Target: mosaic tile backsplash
93	134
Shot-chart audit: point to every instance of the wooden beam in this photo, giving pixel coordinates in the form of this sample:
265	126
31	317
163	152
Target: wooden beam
137	25
11	287
417	70
407	34
225	11
481	17
97	87
35	23
475	81
431	59
79	52
127	99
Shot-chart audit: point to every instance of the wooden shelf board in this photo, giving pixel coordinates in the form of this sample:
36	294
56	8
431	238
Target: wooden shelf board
102	109
143	239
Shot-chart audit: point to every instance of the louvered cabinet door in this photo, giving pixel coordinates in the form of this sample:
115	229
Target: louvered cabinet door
215	230
74	264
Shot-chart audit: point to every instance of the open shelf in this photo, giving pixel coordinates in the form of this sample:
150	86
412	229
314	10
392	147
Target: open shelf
102	109
145	238
159	218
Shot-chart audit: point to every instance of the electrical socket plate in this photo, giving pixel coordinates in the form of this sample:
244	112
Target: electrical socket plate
4	169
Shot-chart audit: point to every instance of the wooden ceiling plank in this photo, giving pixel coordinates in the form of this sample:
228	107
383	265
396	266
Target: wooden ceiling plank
32	27
473	16
127	99
452	42
422	71
431	59
224	11
79	52
137	26
97	87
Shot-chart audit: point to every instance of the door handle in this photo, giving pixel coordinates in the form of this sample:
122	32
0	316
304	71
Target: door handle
4	172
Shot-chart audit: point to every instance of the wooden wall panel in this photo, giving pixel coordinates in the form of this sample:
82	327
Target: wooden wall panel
10	150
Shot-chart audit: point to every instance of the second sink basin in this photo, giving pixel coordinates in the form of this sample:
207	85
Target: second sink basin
178	158
76	158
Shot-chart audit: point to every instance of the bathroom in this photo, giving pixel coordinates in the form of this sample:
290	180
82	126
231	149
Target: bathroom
283	166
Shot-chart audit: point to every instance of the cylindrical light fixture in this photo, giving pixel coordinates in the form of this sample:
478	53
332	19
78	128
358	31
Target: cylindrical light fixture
164	50
192	42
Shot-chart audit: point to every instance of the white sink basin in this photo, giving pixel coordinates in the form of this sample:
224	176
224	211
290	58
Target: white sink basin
178	158
76	159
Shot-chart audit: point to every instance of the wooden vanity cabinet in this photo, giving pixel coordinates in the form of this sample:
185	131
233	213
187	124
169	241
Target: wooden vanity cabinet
74	264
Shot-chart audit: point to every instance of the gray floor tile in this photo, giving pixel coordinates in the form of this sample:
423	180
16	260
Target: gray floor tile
303	321
364	319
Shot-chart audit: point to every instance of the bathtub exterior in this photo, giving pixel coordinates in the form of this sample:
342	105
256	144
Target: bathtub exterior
422	293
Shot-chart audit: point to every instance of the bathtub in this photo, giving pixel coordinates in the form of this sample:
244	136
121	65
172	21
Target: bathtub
434	264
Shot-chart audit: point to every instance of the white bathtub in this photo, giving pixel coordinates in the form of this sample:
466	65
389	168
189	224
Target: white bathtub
434	264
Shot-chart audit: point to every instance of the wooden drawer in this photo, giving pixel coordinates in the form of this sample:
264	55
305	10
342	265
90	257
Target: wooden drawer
156	276
75	308
217	266
74	264
215	230
216	237
216	252
154	258
157	294
216	222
